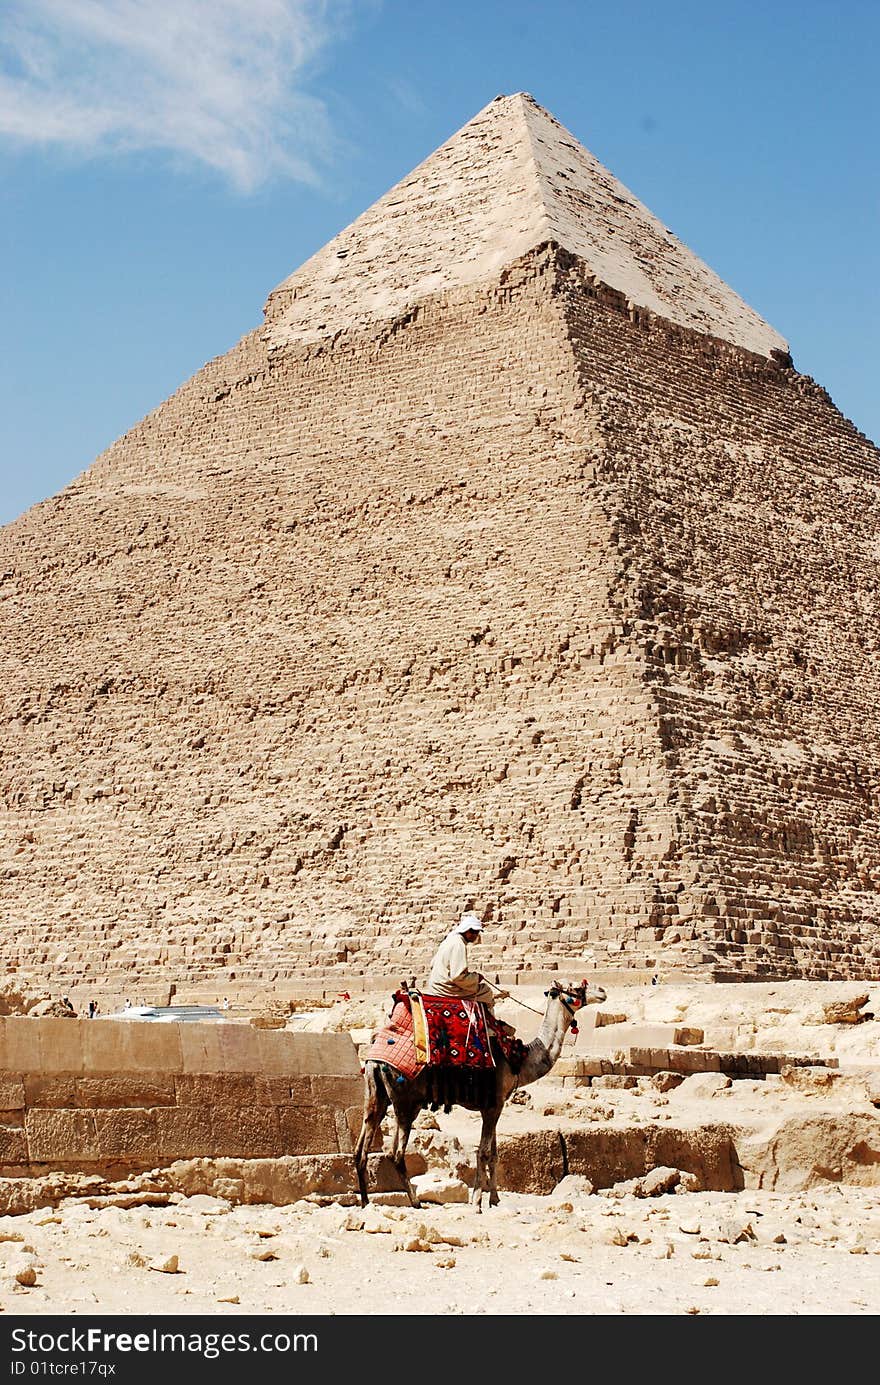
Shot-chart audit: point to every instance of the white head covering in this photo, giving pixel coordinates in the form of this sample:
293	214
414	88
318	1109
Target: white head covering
468	922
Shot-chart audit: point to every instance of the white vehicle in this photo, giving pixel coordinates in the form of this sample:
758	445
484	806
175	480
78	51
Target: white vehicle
169	1013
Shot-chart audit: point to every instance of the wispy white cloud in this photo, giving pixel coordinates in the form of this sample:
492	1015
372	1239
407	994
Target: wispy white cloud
407	95
217	81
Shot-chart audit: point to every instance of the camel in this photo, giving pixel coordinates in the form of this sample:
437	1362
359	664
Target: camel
408	1096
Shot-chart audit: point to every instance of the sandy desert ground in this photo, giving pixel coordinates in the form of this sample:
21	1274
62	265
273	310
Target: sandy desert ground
787	1251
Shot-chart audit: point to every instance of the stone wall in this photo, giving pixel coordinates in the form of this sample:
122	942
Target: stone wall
110	1096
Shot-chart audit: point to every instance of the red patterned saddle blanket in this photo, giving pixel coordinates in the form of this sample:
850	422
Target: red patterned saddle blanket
457	1032
438	1031
395	1043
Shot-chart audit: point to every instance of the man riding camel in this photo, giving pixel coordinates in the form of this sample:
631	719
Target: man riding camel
449	970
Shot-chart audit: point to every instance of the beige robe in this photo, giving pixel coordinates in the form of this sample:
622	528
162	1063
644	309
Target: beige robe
450	975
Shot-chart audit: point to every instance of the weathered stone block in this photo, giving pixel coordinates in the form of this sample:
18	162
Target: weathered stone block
184	1132
276	1091
127	1134
323	1054
56	1136
277	1049
711	1158
12	1093
61	1044
740	1064
606	1155
693	1060
589	1067
247	1132
13	1145
20	1045
51	1091
107	1046
648	1060
240	1047
200	1048
308	1130
667	1081
845	1011
117	1090
531	1163
217	1089
337	1091
154	1047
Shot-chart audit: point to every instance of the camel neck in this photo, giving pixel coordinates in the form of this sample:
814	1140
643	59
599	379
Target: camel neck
546	1047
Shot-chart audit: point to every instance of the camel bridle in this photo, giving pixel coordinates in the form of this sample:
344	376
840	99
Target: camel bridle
574	994
572	999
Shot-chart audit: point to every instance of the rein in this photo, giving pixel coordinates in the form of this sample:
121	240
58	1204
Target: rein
514	999
569	1008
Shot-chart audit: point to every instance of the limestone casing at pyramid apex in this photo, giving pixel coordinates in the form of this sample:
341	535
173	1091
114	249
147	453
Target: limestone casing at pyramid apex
509	180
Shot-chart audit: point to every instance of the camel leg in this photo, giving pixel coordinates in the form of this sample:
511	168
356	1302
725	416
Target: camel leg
493	1165
376	1101
404	1117
484	1180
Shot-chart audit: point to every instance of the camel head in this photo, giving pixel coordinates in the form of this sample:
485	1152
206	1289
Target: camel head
574	998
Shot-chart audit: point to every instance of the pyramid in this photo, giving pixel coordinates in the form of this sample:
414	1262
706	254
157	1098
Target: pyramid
509	564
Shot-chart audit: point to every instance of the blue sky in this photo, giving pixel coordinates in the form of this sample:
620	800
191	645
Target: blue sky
165	163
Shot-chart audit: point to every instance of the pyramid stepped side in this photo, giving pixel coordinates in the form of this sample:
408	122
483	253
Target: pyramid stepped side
750	521
509	181
336	644
323	651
